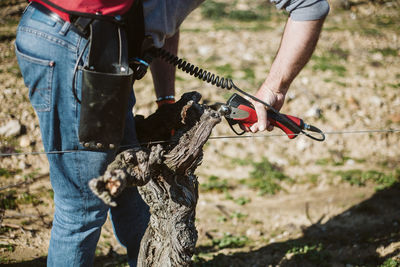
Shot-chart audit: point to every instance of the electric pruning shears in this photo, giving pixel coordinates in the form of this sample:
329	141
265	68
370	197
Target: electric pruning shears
238	110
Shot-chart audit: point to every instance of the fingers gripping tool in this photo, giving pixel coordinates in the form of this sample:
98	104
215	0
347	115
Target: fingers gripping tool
239	110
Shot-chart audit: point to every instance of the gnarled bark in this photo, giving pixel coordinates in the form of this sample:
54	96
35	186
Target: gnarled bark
164	174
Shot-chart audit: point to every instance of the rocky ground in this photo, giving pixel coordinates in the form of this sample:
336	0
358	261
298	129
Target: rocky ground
267	200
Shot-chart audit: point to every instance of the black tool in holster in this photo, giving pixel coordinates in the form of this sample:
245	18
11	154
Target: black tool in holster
106	86
108	76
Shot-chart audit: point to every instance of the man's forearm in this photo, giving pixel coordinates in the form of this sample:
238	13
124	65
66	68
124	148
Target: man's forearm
164	73
297	45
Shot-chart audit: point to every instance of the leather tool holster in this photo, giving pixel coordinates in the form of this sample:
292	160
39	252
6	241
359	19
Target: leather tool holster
106	87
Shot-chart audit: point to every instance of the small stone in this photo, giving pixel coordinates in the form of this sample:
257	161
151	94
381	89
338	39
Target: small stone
377	57
22	165
304	80
302	144
24	141
204	50
376	100
280	161
313	112
253	233
290	96
12	128
248	57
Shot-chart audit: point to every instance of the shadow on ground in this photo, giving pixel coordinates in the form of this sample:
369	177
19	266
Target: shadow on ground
100	261
38	262
351	238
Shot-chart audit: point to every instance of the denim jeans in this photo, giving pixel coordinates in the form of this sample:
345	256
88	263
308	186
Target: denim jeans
47	51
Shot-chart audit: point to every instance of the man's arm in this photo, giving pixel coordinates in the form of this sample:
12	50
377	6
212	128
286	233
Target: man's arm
297	45
164	73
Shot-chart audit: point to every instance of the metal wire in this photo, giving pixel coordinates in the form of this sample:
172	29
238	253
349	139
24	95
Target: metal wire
377	131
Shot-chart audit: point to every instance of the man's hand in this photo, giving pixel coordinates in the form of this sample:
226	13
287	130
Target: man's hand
275	99
297	45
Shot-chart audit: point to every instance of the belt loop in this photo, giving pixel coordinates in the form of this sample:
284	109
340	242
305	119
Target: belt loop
64	29
29	4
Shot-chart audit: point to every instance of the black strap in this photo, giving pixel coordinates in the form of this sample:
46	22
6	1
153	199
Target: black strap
134	21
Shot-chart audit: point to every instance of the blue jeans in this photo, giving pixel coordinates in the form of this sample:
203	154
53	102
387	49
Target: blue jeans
47	51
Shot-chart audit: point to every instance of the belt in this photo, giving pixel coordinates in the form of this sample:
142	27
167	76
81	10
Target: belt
82	30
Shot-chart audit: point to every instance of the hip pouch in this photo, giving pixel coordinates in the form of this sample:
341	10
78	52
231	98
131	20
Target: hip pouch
107	78
106	86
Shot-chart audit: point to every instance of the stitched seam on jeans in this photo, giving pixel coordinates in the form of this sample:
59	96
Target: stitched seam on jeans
84	199
47	90
46	98
38	61
75	103
50	86
48	37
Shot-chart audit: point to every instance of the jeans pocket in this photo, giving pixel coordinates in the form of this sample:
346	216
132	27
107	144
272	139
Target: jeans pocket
38	77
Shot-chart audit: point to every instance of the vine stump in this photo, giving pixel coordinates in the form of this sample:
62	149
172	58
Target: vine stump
163	170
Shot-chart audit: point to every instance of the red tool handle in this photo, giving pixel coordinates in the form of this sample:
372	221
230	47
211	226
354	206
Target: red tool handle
274	119
291	125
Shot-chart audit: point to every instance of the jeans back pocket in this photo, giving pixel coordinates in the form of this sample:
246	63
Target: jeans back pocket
38	77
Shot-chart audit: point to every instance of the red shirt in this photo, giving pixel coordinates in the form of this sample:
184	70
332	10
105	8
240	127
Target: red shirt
110	7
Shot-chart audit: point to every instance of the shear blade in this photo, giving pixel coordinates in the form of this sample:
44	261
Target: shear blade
237	114
223	109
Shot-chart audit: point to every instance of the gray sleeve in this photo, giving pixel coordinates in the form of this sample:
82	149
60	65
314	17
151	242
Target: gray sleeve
162	18
302	10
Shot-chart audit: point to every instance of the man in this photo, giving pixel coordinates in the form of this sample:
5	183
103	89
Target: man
48	49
